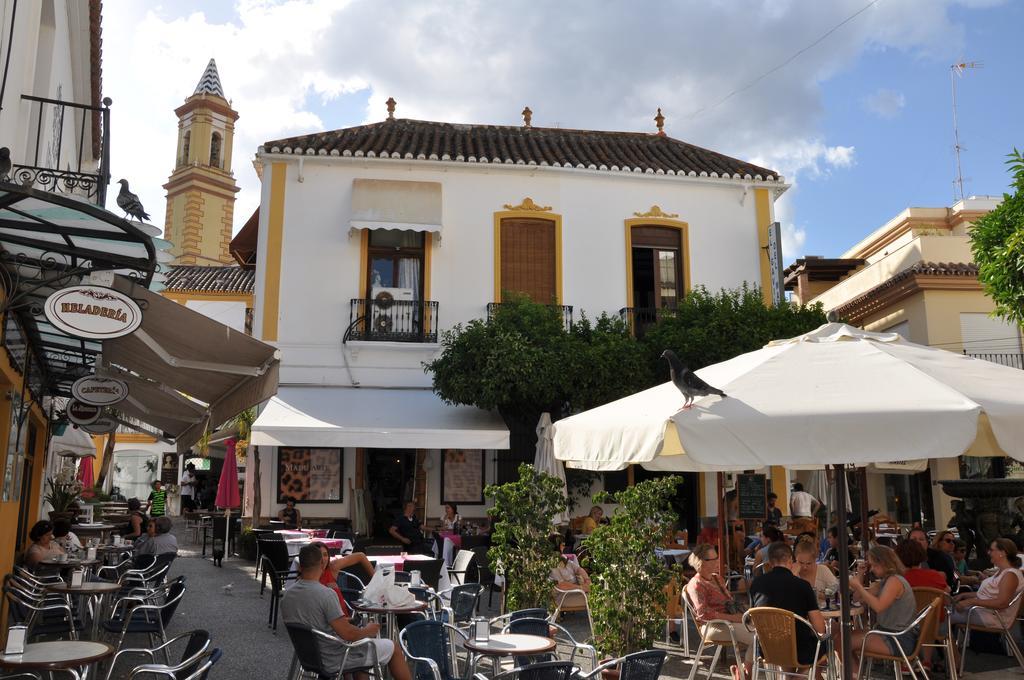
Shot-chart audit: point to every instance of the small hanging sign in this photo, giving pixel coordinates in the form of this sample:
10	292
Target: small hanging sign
99	391
81	413
93	312
104	425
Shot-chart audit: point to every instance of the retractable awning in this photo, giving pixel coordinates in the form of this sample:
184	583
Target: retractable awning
374	418
186	372
396	204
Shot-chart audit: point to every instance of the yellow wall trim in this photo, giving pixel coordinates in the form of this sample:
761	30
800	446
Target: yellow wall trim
134	438
533	213
364	256
684	244
275	239
763	212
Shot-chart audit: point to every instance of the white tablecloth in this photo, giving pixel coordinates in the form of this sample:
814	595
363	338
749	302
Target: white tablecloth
408	563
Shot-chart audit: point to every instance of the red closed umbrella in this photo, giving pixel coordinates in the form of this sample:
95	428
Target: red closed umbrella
227	490
86	475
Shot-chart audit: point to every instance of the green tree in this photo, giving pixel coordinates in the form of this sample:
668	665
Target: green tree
523	517
628	599
997	241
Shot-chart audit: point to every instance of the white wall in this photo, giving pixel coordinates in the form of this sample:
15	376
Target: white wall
231	314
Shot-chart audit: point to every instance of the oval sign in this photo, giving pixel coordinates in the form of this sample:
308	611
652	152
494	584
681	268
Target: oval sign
81	413
103	425
99	391
93	312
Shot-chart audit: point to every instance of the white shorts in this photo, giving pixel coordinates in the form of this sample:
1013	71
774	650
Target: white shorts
358	657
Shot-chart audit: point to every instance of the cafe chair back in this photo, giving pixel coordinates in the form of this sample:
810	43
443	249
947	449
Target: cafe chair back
40	616
276	591
430	647
463	601
644	665
776	642
307	653
544	670
149	615
974	622
545	628
706	639
193	669
926	623
463	569
430	571
574	600
945	640
484	574
196	643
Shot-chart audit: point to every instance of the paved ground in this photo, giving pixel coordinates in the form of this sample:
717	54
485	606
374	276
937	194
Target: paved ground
237	619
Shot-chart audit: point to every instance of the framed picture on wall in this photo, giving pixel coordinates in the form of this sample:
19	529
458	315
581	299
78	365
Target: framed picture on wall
310	475
462	476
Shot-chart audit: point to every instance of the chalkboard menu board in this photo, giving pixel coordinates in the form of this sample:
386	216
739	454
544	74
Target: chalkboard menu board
753	496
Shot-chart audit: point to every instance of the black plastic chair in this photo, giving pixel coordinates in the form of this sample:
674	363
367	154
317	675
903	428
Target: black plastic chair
430	647
305	642
146	615
545	628
196	643
183	671
274	557
637	666
545	670
276	591
430	571
464	601
483	565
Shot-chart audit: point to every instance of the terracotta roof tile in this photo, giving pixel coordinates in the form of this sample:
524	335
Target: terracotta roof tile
590	149
210	279
954	269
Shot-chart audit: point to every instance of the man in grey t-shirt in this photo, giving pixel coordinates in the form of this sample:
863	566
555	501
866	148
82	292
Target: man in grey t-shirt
312	604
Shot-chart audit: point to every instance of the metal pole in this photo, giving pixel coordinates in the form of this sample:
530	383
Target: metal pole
865	539
722	543
104	174
844	576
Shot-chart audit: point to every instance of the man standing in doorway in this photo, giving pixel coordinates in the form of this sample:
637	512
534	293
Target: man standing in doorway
802	505
188	489
406	530
158	500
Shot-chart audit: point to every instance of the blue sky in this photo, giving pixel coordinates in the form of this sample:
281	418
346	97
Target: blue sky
860	123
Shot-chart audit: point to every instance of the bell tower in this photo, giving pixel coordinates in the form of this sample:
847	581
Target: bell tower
201	189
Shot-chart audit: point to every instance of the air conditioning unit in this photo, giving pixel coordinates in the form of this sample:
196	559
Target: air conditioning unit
382	314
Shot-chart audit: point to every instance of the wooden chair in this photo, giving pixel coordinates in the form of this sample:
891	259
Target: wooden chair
928	620
776	642
924	597
705	641
1005	631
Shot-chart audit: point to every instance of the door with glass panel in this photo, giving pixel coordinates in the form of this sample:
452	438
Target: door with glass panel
657	263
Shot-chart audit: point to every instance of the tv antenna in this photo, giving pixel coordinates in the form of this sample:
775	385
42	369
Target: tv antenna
954	71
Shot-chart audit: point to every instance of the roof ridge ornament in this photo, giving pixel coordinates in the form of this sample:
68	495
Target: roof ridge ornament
527	117
656	211
659	120
528	204
391	104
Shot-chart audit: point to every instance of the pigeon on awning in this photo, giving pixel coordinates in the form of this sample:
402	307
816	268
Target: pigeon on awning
130	203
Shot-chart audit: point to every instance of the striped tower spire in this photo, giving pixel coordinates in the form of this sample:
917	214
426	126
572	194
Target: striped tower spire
210	82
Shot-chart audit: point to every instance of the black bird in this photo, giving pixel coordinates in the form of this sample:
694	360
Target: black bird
686	381
129	203
5	164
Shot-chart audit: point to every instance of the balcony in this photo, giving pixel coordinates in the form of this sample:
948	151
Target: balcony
639	319
50	146
1011	360
392	320
564	310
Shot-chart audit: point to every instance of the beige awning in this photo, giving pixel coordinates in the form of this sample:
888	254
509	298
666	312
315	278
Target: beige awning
187	372
395	204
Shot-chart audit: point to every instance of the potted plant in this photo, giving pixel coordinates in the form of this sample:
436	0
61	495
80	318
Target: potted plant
521	549
627	595
62	493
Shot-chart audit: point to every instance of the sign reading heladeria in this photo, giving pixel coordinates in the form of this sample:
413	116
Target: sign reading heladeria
100	391
93	312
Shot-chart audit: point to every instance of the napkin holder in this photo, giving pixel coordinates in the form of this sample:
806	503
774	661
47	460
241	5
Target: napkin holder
77	578
481	629
15	640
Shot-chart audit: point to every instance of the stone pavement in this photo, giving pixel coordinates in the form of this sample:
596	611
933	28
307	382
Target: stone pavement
237	620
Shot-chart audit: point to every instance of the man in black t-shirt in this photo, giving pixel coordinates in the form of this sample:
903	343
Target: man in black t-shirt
780	587
406	530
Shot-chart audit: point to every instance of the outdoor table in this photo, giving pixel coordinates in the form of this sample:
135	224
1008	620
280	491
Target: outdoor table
98	529
678	554
93	590
508	644
400	562
72	656
339	544
72	563
390	614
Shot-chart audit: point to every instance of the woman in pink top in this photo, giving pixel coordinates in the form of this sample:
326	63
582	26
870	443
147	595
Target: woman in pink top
710	599
996	592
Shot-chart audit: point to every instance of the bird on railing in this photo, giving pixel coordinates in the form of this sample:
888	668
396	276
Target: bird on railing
686	381
5	164
130	203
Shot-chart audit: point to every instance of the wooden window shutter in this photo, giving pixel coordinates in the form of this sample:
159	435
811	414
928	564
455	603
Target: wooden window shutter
655	237
528	259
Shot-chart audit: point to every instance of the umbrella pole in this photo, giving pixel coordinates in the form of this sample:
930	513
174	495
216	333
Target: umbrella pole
844	575
227	529
865	538
723	545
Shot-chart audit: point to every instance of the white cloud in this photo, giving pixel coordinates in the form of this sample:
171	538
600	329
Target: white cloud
885	103
286	63
793	239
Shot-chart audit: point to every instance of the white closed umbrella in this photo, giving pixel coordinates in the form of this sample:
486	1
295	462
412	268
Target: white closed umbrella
544	460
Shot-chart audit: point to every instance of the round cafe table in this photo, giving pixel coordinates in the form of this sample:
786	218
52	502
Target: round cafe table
71	656
508	644
72	563
390	613
95	591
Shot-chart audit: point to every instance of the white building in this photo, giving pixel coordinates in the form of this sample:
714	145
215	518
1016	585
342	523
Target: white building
373	239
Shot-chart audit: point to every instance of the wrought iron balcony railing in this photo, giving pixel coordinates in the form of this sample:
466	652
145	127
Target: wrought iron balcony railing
1012	360
564	310
639	319
392	320
41	169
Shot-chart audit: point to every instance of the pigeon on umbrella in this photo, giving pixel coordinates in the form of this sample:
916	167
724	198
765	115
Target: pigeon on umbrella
129	203
5	164
686	381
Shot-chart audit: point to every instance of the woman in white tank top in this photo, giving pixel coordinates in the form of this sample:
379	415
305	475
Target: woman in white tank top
996	592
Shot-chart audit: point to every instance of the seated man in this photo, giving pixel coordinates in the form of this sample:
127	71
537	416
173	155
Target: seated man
406	530
161	542
310	603
780	587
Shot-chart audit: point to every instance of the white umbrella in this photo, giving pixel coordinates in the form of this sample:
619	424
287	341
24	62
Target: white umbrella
545	459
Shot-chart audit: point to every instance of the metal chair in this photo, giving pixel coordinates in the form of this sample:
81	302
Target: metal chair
183	671
430	646
196	643
928	620
706	640
574	600
776	642
1002	629
549	629
463	602
37	615
305	642
544	670
149	614
636	666
924	597
463	565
